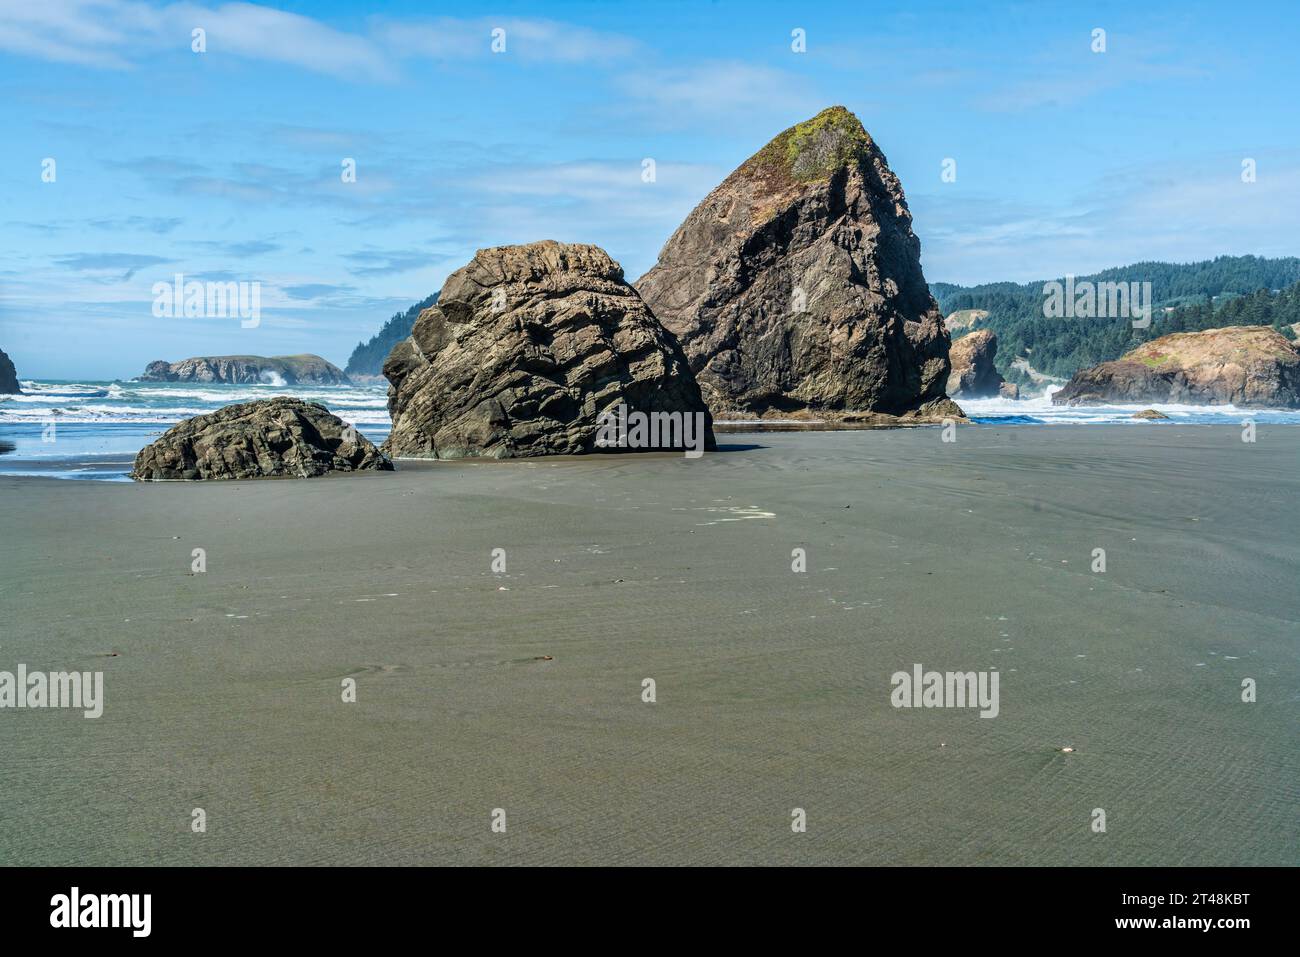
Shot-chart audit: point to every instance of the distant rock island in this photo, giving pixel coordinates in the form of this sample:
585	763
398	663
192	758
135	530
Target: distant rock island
8	376
974	375
526	348
245	370
269	438
1249	366
796	290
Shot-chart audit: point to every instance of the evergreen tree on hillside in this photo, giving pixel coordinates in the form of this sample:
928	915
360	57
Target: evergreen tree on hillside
368	357
1228	291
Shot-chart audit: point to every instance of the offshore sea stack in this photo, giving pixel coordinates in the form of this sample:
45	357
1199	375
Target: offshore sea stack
525	350
270	438
973	374
304	369
796	290
8	376
1247	366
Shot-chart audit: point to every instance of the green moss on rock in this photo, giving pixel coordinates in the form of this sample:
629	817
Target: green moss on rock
816	148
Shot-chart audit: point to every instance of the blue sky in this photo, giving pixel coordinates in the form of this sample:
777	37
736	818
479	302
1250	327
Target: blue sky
226	165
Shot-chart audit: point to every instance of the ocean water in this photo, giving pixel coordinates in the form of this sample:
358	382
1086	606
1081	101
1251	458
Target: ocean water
92	430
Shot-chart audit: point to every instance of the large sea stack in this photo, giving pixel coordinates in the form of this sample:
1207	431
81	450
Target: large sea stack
1248	366
796	289
8	376
270	438
525	349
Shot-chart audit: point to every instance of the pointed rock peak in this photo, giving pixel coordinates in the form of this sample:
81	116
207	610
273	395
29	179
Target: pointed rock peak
795	287
812	150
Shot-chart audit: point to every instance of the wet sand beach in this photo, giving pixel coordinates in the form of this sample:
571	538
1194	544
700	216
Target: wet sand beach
523	690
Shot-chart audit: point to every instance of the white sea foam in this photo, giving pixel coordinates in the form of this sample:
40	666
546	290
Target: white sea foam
165	403
1040	410
89	414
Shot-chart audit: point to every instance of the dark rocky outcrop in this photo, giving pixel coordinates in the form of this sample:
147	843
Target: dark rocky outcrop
1248	366
273	370
796	288
1150	414
973	374
279	437
8	376
525	349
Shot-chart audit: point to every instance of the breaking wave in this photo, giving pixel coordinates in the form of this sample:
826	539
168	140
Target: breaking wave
166	402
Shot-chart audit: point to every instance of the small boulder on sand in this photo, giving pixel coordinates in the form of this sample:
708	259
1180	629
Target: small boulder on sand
270	438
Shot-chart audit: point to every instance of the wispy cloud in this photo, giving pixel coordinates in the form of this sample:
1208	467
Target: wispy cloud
161	225
386	262
109	260
604	181
71	31
303	183
96	262
263	33
48	229
1143	213
1067	75
156	167
317	290
118	34
538	41
241	249
719	89
314	139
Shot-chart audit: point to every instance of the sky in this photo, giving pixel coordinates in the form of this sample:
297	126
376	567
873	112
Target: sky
228	164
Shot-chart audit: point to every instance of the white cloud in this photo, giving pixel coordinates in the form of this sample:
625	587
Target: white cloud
528	40
600	182
118	34
65	31
262	33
